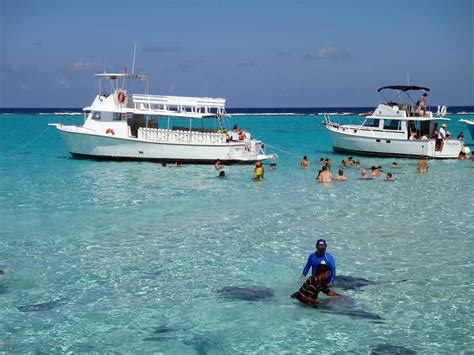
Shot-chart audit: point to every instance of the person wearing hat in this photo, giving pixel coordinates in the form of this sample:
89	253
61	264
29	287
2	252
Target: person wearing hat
259	172
320	256
441	137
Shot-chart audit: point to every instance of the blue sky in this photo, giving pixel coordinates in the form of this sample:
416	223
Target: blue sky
305	53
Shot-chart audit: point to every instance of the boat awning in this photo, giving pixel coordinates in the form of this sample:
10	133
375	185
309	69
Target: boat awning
403	88
114	76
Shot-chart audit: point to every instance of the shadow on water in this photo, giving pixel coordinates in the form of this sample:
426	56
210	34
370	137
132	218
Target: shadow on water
351	283
345	306
248	293
42	306
390	349
161	333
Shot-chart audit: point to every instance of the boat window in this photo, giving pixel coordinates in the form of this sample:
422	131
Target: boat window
371	123
117	116
392	124
96	116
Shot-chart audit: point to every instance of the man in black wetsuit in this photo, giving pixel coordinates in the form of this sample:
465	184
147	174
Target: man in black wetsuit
308	293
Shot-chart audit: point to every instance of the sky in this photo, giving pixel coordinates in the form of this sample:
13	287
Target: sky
295	53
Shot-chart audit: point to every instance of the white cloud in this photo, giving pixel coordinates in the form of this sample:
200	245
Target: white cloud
329	52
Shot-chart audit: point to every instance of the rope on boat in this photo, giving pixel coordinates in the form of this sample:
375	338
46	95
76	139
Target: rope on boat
281	150
27	144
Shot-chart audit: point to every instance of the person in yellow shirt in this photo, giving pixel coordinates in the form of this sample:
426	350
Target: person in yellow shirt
259	172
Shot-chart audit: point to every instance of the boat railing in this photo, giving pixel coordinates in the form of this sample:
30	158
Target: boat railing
167	135
180	104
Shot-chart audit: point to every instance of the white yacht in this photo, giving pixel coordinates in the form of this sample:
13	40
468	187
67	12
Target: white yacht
470	125
119	126
396	129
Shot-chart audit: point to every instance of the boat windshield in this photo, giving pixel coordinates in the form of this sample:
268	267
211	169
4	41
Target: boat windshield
371	122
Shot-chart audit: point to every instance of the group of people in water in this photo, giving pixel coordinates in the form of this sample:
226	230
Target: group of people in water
325	174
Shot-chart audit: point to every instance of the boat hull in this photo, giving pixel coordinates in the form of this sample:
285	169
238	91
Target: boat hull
106	147
393	147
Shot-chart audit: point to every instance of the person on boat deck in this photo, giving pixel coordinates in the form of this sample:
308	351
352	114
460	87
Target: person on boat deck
320	256
460	136
435	131
242	135
259	172
325	175
308	292
305	162
341	176
422	165
218	165
441	137
423	103
234	136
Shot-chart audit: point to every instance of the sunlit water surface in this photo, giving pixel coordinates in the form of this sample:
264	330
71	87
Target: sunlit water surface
130	257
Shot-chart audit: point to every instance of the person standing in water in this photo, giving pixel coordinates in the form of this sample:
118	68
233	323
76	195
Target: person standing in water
320	256
422	165
259	172
305	162
308	293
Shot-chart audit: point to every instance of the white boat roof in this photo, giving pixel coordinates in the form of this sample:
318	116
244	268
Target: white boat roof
113	76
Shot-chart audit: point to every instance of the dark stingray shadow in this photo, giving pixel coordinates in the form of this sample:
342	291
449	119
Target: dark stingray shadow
3	289
344	306
247	293
161	333
390	349
42	306
351	283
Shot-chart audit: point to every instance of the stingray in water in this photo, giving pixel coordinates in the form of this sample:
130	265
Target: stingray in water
390	349
351	283
41	306
161	333
248	293
345	306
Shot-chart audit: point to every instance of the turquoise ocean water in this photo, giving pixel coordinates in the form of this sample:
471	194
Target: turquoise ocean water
136	257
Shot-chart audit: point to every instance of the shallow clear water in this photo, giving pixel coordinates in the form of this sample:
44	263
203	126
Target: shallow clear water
129	257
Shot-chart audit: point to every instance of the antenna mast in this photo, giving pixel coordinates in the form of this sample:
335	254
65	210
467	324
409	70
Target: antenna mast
134	52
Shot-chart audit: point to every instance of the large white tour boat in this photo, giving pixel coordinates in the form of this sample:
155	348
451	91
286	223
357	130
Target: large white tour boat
119	126
470	126
396	129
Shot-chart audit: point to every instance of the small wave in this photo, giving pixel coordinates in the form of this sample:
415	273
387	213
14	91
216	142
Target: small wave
465	113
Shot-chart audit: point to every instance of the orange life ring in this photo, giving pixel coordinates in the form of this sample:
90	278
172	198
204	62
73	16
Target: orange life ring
110	131
121	97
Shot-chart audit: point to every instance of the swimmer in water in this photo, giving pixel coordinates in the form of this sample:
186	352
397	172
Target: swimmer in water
305	162
259	172
218	165
221	174
341	176
363	172
388	177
